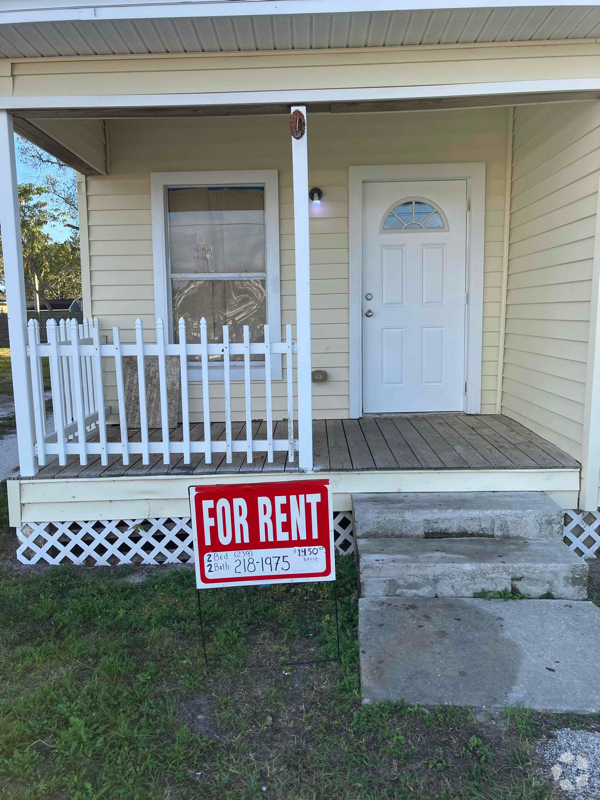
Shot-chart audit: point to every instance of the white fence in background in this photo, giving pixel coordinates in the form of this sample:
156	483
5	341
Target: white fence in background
77	357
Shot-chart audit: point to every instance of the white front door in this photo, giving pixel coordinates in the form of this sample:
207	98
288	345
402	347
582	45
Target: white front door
414	295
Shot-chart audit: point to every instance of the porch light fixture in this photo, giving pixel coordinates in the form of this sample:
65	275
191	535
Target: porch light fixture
316	195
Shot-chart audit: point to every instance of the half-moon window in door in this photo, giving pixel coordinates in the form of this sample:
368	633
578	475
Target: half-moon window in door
414	214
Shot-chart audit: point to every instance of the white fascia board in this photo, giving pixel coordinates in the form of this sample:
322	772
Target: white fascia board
300	96
21	11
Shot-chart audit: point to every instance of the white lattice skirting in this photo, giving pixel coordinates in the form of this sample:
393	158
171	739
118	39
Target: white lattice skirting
169	540
582	532
128	541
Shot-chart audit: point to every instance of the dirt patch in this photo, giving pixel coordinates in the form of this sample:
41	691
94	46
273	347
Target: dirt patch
199	715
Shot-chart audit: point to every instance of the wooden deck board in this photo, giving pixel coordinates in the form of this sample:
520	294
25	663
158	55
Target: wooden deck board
563	458
402	453
493	456
357	445
467	452
444	451
339	454
418	445
382	455
540	456
320	446
279	456
258	460
519	459
178	466
410	442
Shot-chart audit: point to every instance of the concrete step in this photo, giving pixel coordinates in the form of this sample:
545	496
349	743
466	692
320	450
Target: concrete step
472	652
460	567
433	515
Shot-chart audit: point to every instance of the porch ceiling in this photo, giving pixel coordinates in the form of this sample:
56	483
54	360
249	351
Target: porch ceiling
71	28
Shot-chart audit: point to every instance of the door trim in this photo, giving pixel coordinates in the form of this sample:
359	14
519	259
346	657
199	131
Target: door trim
474	174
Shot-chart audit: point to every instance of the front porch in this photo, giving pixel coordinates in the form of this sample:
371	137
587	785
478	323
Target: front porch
394	443
111	513
151	396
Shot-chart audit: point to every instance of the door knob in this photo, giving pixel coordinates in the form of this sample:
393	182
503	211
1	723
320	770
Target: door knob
368	313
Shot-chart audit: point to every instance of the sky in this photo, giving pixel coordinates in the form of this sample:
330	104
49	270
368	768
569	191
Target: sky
26	174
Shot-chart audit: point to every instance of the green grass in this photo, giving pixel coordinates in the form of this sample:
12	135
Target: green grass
7	541
5	373
104	693
6	386
504	594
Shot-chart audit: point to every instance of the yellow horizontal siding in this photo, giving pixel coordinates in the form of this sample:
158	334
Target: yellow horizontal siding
242	72
556	167
120	224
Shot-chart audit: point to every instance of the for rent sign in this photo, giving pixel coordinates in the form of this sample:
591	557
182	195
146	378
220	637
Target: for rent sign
262	533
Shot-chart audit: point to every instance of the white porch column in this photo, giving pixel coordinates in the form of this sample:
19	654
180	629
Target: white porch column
590	473
10	224
302	253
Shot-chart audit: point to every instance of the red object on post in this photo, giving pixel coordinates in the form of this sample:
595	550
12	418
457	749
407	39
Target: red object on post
261	533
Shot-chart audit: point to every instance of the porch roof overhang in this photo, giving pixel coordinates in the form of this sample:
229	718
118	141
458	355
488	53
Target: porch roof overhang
34	118
34	28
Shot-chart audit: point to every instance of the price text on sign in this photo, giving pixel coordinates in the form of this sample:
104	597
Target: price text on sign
262	533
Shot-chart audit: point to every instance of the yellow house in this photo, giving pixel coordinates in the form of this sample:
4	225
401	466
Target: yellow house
359	239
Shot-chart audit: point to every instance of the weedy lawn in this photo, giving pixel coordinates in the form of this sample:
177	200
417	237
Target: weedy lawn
104	693
5	373
6	386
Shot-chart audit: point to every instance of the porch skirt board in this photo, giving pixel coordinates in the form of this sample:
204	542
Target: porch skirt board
105	543
168	540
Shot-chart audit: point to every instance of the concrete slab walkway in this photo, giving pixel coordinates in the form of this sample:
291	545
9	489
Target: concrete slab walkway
474	652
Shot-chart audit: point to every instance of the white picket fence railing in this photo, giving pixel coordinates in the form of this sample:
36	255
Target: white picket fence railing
72	378
76	353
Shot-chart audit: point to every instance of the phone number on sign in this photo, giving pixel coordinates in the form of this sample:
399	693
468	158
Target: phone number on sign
264	562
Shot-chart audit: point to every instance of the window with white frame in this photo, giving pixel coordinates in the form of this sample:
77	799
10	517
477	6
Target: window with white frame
216	254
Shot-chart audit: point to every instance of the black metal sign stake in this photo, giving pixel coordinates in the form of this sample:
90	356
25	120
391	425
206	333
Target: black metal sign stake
202	626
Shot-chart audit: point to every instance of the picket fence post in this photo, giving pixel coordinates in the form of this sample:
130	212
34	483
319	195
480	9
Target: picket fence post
99	392
227	393
185	397
57	390
268	394
205	391
89	370
141	372
248	394
77	389
64	362
162	381
121	395
290	389
37	388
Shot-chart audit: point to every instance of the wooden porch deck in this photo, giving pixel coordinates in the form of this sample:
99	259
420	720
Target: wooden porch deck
411	442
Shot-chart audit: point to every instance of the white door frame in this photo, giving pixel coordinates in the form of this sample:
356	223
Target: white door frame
474	174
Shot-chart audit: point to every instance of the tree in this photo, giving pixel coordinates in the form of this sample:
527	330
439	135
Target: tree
52	269
56	177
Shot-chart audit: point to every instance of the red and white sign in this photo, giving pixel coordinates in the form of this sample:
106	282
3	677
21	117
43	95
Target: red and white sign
258	533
